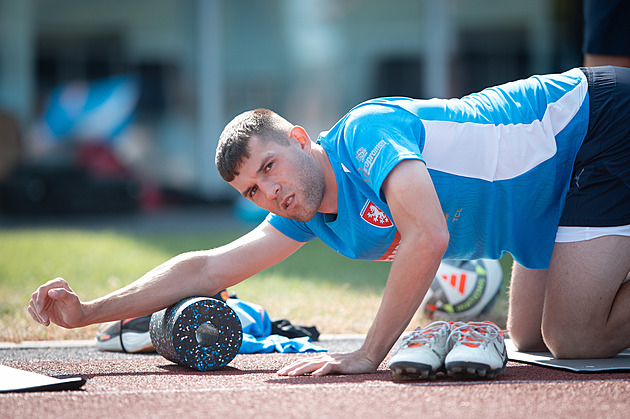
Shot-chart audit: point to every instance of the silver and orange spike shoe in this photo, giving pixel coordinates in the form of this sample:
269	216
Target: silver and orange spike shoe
421	354
477	350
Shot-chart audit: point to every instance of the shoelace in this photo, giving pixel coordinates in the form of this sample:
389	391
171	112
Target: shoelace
475	334
422	336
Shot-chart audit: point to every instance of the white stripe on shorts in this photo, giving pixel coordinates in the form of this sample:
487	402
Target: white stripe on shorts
578	234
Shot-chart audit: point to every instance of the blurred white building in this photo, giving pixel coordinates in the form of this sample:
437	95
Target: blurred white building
200	62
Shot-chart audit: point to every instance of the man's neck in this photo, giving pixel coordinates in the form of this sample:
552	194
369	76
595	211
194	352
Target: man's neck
329	203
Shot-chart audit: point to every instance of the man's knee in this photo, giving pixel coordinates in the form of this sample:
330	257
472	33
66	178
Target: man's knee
560	343
526	340
576	342
525	335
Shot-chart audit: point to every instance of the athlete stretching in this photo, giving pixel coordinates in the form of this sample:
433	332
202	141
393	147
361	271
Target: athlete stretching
494	172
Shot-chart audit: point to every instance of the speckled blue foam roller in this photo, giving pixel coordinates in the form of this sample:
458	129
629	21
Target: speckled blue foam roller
198	332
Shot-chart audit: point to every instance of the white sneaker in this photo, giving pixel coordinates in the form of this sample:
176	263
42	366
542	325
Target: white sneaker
421	353
477	351
129	335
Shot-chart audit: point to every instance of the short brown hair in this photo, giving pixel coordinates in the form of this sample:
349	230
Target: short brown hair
233	142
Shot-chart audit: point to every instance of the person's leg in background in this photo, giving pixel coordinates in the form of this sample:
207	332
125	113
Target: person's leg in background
606	33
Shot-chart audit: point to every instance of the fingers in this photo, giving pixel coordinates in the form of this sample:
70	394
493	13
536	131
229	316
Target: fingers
319	365
35	315
327	368
352	363
42	298
60	294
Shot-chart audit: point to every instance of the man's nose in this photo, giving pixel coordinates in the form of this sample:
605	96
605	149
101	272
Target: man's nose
271	190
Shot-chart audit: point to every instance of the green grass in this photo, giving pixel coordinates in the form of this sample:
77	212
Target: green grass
315	286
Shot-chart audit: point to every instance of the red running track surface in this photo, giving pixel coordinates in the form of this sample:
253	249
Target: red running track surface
149	386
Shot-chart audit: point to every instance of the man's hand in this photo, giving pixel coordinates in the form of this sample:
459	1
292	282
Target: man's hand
55	302
351	363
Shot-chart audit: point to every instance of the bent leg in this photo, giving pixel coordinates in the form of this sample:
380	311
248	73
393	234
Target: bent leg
586	310
527	294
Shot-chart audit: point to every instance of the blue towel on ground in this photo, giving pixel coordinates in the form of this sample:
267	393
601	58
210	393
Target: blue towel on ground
257	337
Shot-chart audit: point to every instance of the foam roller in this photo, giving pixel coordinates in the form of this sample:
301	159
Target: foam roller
198	332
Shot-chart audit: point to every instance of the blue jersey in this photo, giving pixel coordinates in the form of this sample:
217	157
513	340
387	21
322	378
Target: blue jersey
500	161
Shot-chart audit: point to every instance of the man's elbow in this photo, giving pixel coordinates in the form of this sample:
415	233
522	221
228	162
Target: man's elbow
441	242
437	241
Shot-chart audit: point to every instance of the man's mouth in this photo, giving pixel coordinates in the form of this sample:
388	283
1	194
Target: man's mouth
286	203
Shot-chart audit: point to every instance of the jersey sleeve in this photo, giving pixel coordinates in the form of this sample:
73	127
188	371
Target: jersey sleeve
377	138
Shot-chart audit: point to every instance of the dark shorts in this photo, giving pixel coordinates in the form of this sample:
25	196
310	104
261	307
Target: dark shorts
599	193
606	28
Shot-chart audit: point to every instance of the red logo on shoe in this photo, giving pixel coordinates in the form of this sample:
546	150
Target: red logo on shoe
456	281
373	215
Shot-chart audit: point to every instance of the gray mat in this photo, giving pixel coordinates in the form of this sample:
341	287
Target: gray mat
621	362
14	380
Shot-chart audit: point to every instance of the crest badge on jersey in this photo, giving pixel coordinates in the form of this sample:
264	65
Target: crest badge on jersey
373	215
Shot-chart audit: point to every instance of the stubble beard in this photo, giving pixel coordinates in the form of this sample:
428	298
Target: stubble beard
312	186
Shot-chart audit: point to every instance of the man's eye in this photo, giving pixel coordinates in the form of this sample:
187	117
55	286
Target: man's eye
252	191
268	167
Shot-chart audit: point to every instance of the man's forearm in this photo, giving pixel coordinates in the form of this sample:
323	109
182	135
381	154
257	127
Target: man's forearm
407	284
183	276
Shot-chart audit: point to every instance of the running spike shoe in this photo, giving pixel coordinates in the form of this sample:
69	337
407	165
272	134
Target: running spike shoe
129	335
477	351
421	354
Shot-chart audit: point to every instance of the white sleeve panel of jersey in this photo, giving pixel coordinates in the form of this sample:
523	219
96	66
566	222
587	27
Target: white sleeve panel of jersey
499	151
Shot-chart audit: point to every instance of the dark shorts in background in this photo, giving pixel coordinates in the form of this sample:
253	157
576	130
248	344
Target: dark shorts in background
599	194
606	27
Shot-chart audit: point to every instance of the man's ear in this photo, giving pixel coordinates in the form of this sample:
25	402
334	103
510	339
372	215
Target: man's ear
300	135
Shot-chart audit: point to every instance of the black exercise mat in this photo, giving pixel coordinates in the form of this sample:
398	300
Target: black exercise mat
620	362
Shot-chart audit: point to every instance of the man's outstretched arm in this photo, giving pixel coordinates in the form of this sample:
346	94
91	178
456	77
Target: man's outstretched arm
189	274
424	238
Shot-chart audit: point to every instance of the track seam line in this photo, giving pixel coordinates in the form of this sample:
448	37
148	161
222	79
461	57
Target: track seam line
344	385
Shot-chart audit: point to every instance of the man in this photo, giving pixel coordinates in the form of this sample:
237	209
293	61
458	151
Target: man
416	181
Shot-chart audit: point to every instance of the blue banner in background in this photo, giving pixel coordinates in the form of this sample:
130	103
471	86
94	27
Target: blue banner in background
92	111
